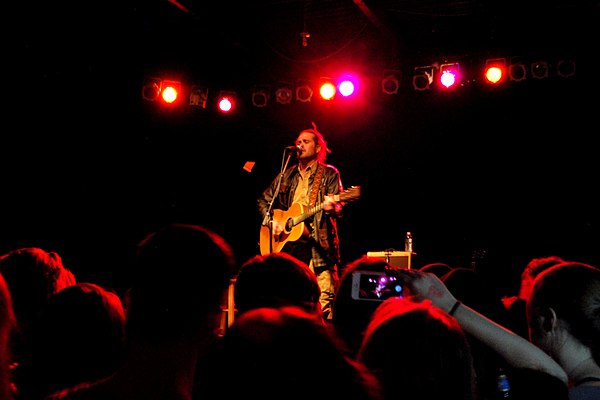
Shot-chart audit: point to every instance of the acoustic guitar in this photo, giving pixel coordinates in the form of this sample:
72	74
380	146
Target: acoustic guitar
293	222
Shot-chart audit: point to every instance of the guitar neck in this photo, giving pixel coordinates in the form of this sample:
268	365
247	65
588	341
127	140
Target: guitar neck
309	213
350	194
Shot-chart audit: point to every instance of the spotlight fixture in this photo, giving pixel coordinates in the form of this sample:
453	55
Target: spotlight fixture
539	69
151	88
449	76
390	81
260	96
171	91
304	92
423	78
327	89
565	68
495	70
198	96
517	71
226	101
284	94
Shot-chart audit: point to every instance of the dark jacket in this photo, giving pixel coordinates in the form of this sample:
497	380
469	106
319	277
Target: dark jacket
324	225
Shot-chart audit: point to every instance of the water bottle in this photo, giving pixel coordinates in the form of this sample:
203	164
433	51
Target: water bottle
408	243
503	386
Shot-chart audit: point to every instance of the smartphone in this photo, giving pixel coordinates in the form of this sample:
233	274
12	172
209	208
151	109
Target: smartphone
375	286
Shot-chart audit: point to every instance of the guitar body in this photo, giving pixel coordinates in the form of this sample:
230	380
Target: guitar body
293	222
290	232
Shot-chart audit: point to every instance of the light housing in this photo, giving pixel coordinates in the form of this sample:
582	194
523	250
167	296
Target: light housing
304	92
327	89
284	93
565	68
171	91
347	85
540	69
261	95
517	70
495	71
151	89
390	82
198	96
227	101
449	75
423	77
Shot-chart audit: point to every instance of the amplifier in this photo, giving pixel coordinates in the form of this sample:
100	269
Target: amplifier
397	259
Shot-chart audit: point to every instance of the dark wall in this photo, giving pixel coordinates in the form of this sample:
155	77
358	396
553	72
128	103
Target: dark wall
88	166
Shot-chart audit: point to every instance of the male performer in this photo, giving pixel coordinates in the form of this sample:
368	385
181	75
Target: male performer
309	179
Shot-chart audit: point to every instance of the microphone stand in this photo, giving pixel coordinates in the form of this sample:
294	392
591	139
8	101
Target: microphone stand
268	220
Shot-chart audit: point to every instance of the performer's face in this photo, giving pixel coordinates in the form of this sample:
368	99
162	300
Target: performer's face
308	147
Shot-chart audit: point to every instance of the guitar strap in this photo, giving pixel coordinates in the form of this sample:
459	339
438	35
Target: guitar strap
315	187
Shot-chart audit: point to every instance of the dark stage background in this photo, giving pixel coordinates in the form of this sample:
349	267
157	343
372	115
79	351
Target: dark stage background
492	176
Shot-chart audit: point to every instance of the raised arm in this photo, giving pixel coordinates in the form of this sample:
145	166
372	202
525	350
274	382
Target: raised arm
514	349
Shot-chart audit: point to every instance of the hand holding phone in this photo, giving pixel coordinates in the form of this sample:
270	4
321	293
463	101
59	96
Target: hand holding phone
375	286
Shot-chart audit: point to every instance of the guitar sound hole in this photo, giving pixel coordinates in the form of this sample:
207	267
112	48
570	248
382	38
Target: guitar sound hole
288	225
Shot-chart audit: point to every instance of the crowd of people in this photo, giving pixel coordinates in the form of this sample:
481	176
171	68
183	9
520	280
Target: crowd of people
445	335
294	328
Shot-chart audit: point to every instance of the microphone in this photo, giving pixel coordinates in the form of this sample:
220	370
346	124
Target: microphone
297	148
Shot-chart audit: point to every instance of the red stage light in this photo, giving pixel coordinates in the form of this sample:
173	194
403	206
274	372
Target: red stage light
226	101
170	91
326	89
495	70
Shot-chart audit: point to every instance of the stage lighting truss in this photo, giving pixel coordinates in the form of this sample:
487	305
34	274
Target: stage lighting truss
423	77
304	92
198	96
284	93
261	95
390	83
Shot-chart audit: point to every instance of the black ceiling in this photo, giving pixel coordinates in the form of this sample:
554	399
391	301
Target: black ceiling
384	31
263	40
79	158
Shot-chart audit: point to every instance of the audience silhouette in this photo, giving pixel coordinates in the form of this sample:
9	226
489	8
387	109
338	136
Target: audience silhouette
449	334
7	325
351	316
530	383
437	268
79	337
418	352
516	305
274	353
275	280
180	279
515	351
472	289
563	312
32	275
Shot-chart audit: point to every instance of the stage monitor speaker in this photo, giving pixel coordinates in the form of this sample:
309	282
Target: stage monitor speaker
397	259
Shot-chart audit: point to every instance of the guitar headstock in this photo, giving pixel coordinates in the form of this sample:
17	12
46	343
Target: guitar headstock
350	194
